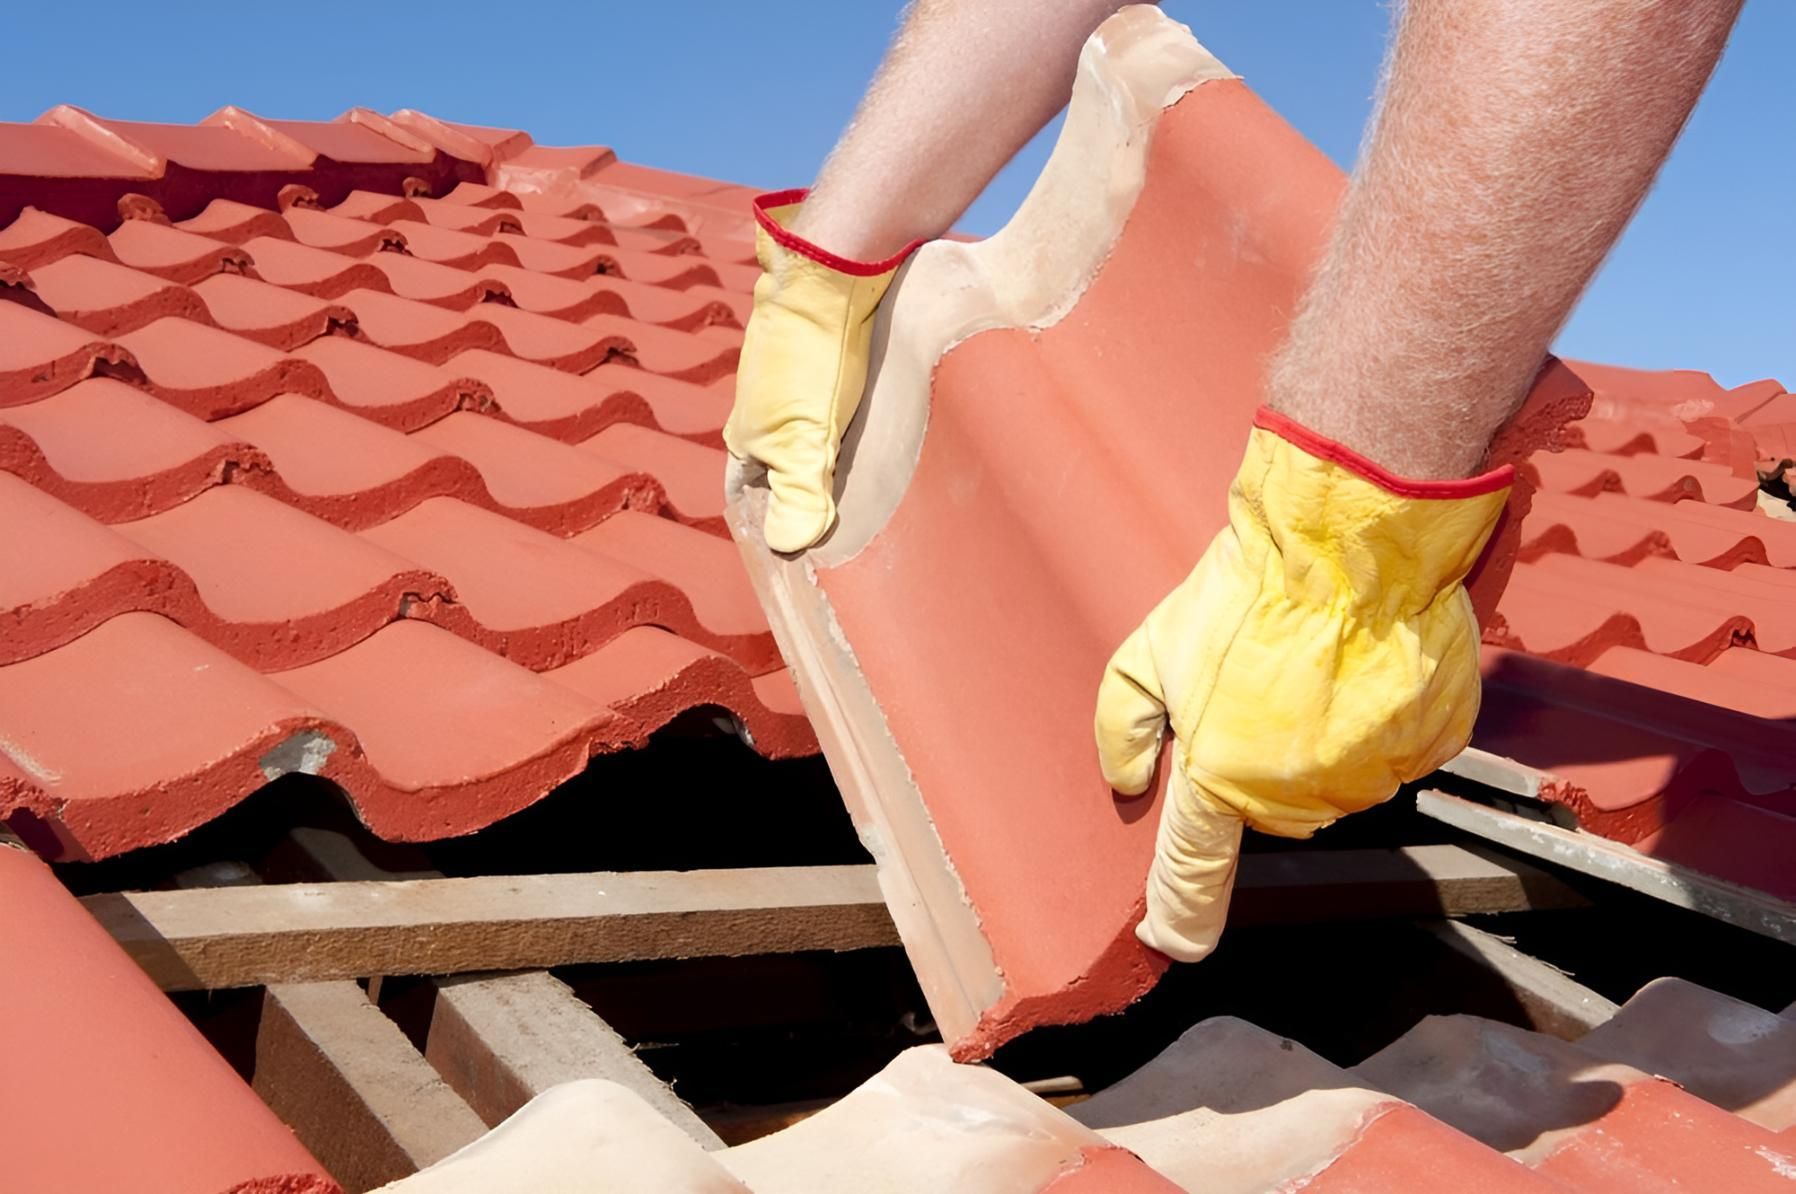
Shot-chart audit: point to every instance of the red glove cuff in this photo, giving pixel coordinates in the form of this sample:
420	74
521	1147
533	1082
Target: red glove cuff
1323	448
763	208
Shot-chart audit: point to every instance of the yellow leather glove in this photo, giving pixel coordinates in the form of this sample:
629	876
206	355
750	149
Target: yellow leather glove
803	367
1322	653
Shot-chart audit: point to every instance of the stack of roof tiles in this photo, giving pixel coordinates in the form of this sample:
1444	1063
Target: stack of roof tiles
1683	1089
380	448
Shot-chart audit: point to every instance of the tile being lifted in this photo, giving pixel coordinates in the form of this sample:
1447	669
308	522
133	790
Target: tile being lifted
1046	445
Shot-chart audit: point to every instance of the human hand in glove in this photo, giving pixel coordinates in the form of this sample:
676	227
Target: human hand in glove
803	367
1322	653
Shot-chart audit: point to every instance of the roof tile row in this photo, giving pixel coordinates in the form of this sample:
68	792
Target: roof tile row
1683	1089
421	494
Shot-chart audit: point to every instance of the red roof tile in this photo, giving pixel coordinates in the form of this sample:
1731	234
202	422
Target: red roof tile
123	1092
1457	1103
343	504
1008	602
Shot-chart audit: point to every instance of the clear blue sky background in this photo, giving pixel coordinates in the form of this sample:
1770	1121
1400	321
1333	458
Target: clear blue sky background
1706	278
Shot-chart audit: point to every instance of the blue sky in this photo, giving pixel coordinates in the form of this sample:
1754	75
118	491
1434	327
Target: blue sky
1706	277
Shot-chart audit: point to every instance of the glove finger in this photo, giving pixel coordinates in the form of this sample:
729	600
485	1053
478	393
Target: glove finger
1193	874
801	506
1131	716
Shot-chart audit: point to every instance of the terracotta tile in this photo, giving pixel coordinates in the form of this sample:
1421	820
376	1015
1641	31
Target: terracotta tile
522	593
587	1126
681	408
583	261
108	299
1571	609
1647	767
552	342
561	298
1658	478
346	469
428	282
116	453
390	388
706	569
208	147
339	234
1233	1109
924	1123
562	230
40	355
549	485
463	217
666	242
474	143
158	1107
690	473
48	151
665	351
378	208
480	194
493	739
69	573
1659	1138
275	316
1677	394
1778	407
187	732
685	310
1590	1124
1013	589
37	238
1625	437
429	333
1735	1055
312	271
279	587
458	250
236	223
564	406
350	139
1740	678
212	373
1625	530
171	253
1405	1149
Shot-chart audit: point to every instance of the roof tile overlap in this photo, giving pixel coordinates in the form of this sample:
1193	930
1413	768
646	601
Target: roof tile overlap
343	500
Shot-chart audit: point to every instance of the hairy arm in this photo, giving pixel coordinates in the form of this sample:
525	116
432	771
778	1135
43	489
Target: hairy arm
1512	142
964	86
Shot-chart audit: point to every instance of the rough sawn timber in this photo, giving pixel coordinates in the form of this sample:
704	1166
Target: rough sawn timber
343	1076
309	932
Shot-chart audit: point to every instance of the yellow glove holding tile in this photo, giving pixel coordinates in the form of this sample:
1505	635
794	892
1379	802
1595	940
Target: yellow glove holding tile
1322	653
803	367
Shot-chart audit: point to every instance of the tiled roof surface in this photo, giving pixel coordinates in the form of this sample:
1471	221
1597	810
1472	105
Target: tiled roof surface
1683	1089
380	448
1656	607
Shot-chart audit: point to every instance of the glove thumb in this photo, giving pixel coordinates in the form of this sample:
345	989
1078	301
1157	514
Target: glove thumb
801	505
1193	873
1131	716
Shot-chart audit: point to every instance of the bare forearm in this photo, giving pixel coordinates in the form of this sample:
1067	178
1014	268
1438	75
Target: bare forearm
1514	140
964	86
